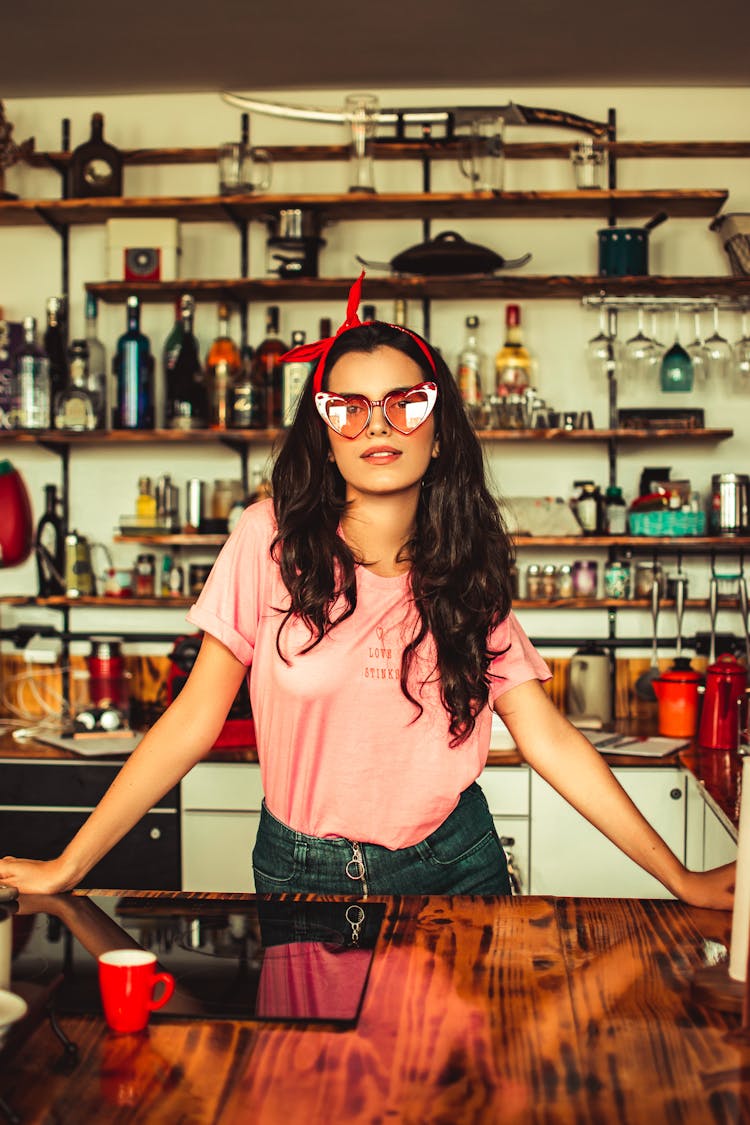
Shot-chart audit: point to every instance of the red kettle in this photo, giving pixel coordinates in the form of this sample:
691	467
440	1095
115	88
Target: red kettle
726	682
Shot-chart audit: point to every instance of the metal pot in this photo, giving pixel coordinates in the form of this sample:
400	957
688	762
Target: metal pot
623	251
448	254
294	242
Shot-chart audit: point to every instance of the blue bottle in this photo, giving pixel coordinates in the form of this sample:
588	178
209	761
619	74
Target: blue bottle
134	370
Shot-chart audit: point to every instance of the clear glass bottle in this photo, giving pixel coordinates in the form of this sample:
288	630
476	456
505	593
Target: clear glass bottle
187	405
30	395
268	364
469	375
223	367
97	376
75	408
134	368
294	375
54	344
514	366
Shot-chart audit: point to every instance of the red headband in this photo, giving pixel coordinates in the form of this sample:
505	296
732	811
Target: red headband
320	349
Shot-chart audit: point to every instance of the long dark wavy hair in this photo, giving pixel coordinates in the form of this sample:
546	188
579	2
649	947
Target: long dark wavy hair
460	552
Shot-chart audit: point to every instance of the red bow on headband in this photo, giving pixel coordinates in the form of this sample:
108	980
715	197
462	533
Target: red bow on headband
320	348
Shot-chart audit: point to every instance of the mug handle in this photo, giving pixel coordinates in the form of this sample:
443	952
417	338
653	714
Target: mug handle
466	163
168	981
262	156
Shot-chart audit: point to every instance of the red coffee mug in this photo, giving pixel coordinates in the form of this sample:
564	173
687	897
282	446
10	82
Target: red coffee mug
127	980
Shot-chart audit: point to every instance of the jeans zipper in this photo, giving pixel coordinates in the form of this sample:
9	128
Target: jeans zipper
355	868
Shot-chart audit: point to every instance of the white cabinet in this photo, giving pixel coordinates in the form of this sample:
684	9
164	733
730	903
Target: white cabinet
507	791
570	857
719	841
220	814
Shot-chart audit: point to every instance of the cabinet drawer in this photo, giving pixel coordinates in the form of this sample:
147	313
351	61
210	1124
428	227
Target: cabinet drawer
229	786
506	789
68	784
217	851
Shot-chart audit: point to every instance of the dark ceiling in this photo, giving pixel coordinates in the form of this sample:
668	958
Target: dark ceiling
84	47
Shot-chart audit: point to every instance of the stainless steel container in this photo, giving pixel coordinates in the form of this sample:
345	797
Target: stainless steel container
729	503
195	502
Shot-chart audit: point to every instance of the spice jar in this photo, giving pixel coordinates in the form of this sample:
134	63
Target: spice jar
645	575
565	581
549	581
533	582
197	576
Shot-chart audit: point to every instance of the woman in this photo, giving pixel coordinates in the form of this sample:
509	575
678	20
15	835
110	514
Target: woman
371	599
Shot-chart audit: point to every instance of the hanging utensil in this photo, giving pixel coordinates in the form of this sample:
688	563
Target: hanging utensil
644	685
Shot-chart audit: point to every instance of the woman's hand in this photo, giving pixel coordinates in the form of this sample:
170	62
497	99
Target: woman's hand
712	889
35	876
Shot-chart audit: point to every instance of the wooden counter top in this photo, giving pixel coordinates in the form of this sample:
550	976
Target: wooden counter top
478	1010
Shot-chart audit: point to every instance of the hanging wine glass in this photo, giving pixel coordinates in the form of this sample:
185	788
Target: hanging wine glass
676	373
654	357
637	349
696	349
719	352
741	381
602	350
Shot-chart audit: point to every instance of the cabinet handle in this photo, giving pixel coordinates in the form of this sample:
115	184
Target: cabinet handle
155	833
675	794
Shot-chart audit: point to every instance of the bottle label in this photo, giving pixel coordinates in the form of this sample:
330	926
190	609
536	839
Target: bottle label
468	382
293	383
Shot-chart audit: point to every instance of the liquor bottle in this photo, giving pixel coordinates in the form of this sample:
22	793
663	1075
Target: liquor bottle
223	366
368	313
399	312
268	363
324	330
514	364
95	167
470	365
75	408
293	378
187	405
30	395
134	367
50	546
97	377
55	346
248	394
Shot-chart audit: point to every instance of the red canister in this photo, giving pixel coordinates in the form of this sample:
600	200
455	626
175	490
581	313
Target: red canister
106	665
16	526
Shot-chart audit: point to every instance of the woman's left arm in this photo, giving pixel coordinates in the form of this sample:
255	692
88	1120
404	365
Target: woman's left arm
560	754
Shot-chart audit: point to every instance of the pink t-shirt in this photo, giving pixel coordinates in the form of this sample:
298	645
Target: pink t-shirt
341	750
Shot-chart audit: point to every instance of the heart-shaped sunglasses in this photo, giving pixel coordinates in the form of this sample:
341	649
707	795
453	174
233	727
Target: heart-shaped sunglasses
404	410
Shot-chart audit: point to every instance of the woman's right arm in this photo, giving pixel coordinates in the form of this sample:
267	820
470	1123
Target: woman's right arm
181	737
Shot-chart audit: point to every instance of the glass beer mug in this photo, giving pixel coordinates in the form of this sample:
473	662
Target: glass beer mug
482	156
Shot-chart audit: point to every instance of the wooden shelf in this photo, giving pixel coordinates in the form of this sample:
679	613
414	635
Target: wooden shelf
59	601
646	543
53	438
435	149
178	539
434	205
140	437
614	603
477	286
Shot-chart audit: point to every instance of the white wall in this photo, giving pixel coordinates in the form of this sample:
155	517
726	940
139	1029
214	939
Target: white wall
104	480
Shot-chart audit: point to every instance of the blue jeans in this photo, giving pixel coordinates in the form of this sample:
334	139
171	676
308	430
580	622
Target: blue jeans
463	856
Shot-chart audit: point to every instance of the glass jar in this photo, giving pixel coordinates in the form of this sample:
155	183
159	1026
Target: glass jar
645	575
533	582
549	581
145	576
617	580
585	578
565	581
